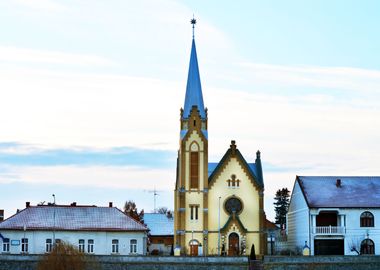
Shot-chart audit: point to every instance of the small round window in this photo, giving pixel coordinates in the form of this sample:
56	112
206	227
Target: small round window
233	205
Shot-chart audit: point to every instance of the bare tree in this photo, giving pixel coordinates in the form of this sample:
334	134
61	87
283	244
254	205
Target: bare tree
65	256
162	210
130	209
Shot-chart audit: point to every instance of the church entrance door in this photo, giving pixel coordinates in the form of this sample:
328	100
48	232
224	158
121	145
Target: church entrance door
233	244
194	248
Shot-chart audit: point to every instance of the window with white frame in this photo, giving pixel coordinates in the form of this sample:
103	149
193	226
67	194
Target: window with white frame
24	245
133	246
6	245
49	245
81	245
90	246
115	246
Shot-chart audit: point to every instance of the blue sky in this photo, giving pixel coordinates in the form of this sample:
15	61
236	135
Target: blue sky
90	93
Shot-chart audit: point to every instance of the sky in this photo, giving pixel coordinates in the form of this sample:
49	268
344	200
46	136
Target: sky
91	91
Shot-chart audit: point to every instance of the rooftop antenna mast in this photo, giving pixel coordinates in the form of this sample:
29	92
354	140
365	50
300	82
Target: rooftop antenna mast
155	193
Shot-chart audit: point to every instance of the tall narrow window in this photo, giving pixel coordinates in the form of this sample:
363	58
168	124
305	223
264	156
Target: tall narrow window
115	246
194	212
81	245
90	246
6	245
194	169
133	246
24	245
49	245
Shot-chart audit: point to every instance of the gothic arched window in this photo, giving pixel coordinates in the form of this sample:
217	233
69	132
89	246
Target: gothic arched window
367	247
367	219
194	166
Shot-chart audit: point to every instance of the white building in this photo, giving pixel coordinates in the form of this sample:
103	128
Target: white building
335	215
94	230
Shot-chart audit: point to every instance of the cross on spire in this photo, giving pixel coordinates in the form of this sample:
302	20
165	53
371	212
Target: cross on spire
193	21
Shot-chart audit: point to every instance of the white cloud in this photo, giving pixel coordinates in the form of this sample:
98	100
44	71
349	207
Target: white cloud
91	176
343	78
25	55
43	5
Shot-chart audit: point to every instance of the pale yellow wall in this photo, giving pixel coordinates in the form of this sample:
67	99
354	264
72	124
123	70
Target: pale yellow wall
247	193
195	196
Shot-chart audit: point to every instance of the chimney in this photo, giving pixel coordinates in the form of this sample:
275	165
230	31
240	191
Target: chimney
27	204
73	204
338	183
110	204
1	215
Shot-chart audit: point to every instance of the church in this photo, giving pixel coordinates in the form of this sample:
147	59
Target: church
218	207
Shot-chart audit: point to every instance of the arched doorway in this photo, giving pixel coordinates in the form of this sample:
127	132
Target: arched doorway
194	247
367	247
233	244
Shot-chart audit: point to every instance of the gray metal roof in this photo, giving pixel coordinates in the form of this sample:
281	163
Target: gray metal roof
159	224
194	95
72	218
354	192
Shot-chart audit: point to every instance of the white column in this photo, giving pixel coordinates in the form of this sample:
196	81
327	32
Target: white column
313	223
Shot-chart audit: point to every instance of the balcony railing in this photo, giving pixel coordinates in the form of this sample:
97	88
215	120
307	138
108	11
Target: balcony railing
329	230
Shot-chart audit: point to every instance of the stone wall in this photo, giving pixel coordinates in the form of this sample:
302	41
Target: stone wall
29	262
322	262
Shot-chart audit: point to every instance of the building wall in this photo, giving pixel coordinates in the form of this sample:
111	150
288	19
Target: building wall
355	234
163	244
102	240
249	196
298	220
193	229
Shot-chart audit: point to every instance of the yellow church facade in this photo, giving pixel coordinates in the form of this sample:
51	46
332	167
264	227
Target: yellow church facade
218	206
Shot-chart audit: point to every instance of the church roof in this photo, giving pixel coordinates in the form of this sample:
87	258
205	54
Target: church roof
71	218
254	169
194	95
349	191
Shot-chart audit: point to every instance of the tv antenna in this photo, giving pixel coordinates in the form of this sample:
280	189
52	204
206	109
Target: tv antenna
155	194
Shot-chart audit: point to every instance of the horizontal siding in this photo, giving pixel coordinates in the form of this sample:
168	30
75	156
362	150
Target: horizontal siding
297	220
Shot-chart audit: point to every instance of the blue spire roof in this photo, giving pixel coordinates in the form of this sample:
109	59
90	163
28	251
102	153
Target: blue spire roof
193	89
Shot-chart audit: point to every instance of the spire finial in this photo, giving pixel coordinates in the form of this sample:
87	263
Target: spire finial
193	21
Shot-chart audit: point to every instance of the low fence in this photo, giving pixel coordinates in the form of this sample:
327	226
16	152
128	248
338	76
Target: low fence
29	262
322	262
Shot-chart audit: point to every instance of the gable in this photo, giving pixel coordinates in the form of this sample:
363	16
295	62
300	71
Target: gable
233	221
250	170
194	136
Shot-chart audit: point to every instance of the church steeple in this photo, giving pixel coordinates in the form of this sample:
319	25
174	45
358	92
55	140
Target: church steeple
194	95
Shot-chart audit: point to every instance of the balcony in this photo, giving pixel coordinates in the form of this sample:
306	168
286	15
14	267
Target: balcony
329	230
